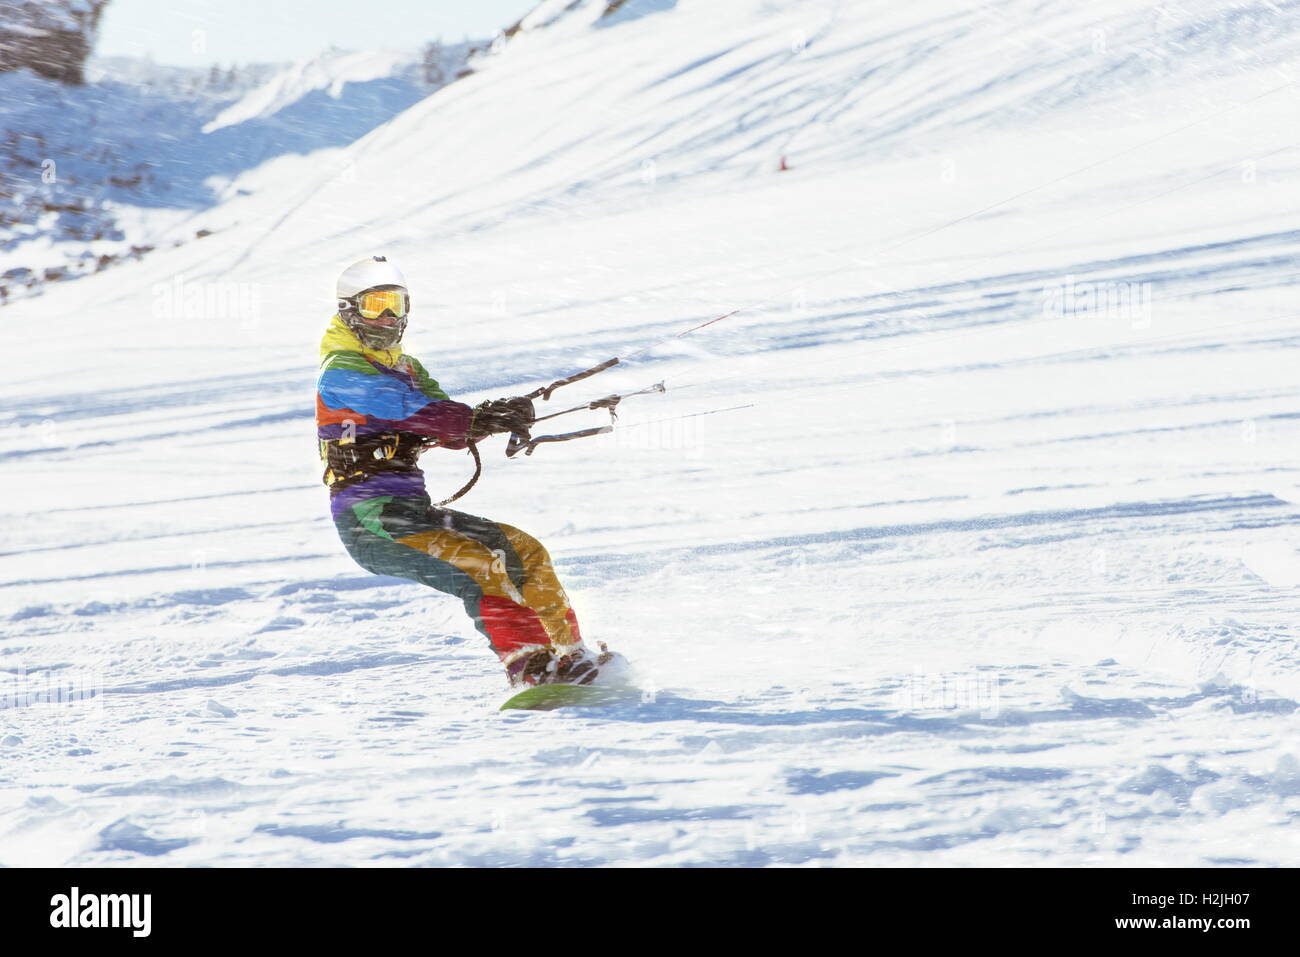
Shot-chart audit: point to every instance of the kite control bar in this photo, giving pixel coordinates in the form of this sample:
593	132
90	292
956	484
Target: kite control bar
524	441
545	391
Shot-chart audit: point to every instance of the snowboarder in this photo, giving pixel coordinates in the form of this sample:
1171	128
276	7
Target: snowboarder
376	410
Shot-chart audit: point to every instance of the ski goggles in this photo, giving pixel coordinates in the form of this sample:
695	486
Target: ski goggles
372	304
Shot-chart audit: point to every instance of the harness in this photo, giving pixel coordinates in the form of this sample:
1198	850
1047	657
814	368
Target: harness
352	460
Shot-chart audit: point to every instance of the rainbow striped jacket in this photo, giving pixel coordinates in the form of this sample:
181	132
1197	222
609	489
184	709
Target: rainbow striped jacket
373	408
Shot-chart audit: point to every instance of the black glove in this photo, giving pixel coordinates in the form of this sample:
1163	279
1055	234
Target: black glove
502	415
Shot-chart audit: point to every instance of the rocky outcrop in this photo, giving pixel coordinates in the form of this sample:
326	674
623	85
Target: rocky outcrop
50	37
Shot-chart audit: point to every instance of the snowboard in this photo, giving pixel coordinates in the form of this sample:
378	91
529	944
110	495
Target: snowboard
550	697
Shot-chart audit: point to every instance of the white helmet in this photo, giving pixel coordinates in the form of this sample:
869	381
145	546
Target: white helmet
368	274
375	273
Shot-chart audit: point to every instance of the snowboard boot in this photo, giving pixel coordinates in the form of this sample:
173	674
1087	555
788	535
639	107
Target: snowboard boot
577	666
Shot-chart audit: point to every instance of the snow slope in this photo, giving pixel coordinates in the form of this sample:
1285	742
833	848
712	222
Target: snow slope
969	540
144	156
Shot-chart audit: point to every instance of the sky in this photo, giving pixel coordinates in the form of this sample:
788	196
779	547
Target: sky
201	32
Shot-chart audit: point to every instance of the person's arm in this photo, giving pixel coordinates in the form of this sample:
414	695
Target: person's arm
349	385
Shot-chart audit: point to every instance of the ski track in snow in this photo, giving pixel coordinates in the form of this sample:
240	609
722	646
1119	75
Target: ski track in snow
945	577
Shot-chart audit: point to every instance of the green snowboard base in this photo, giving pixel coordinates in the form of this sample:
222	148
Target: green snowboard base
550	697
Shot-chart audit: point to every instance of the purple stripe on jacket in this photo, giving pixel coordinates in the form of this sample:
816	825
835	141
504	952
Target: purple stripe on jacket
384	483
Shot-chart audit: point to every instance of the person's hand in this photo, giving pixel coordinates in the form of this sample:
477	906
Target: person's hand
502	415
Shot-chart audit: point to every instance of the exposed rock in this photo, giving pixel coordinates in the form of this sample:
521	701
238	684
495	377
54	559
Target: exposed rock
49	37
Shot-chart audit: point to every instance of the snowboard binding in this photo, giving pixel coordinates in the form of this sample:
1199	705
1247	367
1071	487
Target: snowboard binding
545	666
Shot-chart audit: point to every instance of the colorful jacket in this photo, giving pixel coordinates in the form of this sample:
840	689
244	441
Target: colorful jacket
373	408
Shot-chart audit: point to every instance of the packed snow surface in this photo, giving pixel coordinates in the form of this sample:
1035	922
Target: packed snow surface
970	539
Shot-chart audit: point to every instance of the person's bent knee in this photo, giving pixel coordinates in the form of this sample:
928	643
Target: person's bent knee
529	549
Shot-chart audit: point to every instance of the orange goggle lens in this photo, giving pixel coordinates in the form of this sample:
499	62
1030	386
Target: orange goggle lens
372	304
